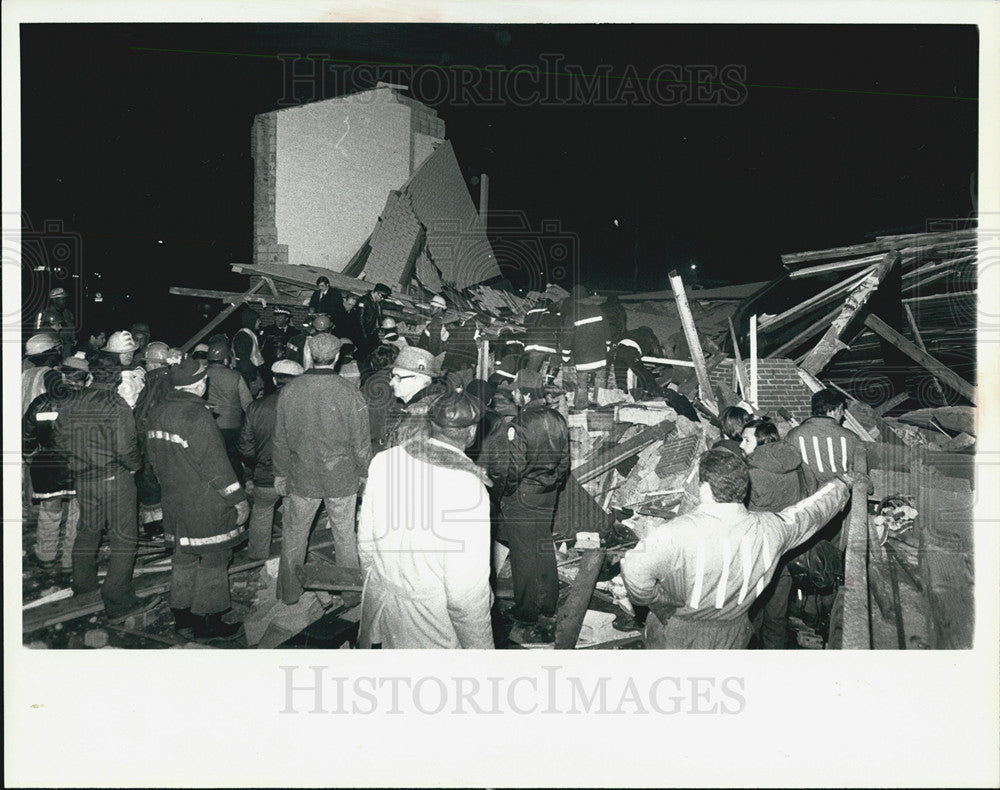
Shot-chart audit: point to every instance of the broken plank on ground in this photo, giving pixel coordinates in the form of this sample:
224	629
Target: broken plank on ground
569	619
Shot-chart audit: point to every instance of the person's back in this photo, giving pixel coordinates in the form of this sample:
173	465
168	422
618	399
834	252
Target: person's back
322	441
778	478
257	438
825	445
228	395
96	433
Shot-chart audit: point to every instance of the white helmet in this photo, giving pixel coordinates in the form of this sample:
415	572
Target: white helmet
388	323
40	343
438	301
121	342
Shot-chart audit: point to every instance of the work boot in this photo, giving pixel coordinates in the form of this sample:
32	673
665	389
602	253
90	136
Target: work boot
211	626
184	622
141	605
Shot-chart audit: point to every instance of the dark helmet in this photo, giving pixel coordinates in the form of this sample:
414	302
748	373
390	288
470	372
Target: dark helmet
218	351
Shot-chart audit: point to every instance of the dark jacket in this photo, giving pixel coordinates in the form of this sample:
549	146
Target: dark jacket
430	338
533	451
405	421
157	386
200	491
615	317
50	476
778	478
461	350
377	392
228	395
585	336
96	433
729	444
828	448
295	347
272	348
257	439
627	356
321	437
367	319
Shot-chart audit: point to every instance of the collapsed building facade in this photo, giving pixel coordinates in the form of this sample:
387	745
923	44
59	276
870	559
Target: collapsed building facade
366	188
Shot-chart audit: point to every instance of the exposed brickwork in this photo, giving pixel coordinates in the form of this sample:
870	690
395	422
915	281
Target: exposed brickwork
779	385
394	237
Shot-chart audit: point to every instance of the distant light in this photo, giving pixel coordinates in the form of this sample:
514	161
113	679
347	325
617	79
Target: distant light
693	266
160	241
616	223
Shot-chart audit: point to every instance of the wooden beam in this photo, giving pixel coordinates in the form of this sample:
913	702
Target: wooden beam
828	295
754	378
826	268
569	619
856	613
830	343
925	360
920	342
691	334
803	336
741	374
220	317
612	456
934	297
892	403
236	296
683	363
834	252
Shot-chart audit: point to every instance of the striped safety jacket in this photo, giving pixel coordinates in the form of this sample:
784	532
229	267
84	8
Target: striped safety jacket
586	336
185	449
828	448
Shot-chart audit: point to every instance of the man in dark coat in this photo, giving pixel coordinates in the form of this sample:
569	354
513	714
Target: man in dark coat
631	374
528	463
95	431
585	337
51	482
329	302
256	445
204	504
228	396
276	336
367	320
322	447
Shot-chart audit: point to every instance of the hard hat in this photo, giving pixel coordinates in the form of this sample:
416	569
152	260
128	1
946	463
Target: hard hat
174	356
40	343
388	323
157	352
218	351
438	301
140	327
121	342
286	367
322	323
55	293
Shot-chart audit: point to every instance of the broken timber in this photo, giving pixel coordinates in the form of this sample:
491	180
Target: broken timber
569	619
221	317
691	334
614	455
932	365
830	343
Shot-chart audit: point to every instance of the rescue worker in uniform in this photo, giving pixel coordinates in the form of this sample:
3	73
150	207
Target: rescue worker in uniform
158	360
42	354
247	359
699	576
631	375
435	336
58	318
542	340
585	336
204	505
366	320
141	334
276	336
528	463
295	348
95	431
228	398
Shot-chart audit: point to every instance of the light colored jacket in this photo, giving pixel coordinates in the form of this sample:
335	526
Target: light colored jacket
707	566
424	542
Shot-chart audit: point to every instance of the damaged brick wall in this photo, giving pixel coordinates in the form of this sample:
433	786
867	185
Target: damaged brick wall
779	386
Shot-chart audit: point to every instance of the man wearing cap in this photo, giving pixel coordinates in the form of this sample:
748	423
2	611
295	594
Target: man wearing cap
57	317
424	539
276	336
256	445
435	336
51	482
367	318
414	388
321	452
204	504
228	396
528	463
42	354
390	334
95	431
141	333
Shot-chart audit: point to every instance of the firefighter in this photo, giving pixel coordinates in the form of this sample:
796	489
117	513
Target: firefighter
528	464
204	505
435	336
295	348
228	398
58	318
366	320
631	375
586	339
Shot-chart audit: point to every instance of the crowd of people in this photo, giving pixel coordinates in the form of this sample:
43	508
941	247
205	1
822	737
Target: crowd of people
418	466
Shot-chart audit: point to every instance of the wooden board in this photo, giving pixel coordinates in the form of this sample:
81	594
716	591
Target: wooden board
569	618
614	455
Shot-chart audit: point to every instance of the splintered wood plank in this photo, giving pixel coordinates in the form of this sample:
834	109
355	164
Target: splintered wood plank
569	618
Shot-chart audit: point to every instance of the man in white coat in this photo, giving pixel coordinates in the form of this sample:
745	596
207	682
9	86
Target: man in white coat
424	539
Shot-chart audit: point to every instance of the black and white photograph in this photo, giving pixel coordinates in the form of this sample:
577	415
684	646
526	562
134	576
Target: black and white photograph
565	335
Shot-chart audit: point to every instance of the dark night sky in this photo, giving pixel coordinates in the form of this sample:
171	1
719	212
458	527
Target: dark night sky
129	147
